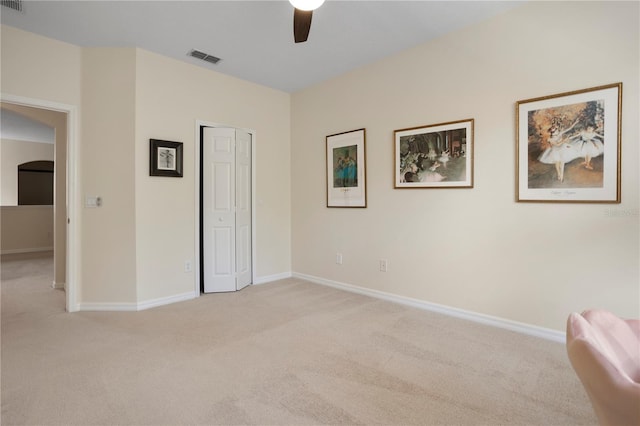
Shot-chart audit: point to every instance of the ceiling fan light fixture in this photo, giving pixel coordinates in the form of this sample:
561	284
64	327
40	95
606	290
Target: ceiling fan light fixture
306	4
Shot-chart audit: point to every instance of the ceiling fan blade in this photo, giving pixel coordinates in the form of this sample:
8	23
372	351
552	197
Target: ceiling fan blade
301	24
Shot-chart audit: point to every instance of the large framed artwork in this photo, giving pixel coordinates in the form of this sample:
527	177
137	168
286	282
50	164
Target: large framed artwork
346	169
435	156
568	146
165	158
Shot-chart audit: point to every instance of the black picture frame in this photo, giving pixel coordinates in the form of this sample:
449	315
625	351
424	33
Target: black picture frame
165	158
422	154
346	169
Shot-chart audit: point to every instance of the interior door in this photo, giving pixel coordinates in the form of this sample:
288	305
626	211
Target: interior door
243	209
226	200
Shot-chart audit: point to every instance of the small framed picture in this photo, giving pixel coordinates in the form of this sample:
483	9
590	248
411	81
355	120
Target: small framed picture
568	146
435	156
165	158
346	169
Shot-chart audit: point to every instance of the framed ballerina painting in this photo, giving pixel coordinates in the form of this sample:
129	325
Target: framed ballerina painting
346	169
568	146
435	156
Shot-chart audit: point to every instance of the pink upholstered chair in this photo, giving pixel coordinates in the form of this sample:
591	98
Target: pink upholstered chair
604	350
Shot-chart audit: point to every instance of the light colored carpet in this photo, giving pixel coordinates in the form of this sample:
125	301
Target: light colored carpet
284	353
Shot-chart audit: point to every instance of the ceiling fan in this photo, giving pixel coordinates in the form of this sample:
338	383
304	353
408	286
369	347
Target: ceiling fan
302	18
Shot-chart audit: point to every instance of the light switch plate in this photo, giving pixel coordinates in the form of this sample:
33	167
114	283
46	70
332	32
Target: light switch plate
92	201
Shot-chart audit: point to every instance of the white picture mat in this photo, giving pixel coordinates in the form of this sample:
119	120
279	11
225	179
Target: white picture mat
162	162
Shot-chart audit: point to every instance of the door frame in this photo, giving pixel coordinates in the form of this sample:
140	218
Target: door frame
72	201
198	201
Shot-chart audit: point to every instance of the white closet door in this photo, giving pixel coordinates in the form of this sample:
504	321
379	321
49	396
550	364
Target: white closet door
243	209
226	209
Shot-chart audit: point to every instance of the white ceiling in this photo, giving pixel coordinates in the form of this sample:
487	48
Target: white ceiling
255	38
20	128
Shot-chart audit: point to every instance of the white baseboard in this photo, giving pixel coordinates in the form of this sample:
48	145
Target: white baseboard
165	300
26	250
270	278
57	285
140	306
116	307
519	327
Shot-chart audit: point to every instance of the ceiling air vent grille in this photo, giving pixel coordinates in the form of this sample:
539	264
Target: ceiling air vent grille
12	4
204	56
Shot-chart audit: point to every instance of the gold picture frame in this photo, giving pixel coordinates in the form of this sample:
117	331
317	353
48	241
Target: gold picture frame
568	146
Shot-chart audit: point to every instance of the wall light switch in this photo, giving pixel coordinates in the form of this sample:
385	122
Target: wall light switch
92	201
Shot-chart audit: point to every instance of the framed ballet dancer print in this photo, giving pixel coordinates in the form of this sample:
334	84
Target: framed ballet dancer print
568	146
346	169
435	156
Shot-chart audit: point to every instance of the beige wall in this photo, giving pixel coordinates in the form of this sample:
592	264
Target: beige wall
39	68
108	171
14	153
171	96
476	249
26	228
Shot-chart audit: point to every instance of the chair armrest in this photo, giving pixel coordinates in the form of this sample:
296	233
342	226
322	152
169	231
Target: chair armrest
634	325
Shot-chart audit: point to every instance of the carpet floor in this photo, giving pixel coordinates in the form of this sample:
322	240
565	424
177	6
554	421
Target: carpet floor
284	353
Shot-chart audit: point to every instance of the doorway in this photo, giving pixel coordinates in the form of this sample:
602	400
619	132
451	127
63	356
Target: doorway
226	209
36	183
65	203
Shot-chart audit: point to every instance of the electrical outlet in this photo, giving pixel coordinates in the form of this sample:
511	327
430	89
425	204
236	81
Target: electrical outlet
384	265
187	266
339	258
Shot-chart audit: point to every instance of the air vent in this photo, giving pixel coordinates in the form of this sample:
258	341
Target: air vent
204	56
12	4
